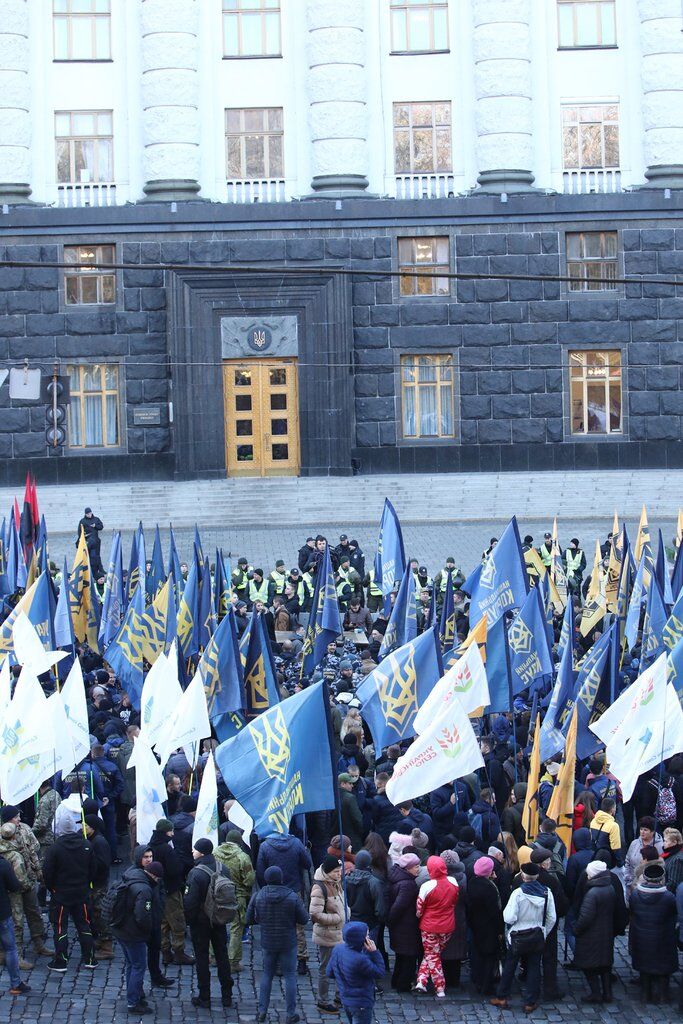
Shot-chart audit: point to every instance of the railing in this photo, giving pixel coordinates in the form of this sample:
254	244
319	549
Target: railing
87	194
424	186
256	190
599	179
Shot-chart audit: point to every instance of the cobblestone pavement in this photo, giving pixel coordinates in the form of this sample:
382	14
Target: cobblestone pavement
429	542
91	997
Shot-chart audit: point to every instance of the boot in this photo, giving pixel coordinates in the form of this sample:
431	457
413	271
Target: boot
182	958
167	956
25	965
606	981
646	980
104	950
595	995
41	949
656	990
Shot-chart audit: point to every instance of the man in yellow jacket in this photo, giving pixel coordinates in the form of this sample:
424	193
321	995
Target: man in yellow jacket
605	831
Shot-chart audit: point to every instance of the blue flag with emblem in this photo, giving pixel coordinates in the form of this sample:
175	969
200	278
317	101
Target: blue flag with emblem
552	738
500	583
156	577
272	767
402	625
174	568
390	560
654	623
42	610
392	693
673	630
662	571
447	636
137	566
15	574
595	687
674	669
677	575
188	613
221	669
221	587
207	614
113	602
567	633
531	660
324	622
198	544
260	682
63	626
125	652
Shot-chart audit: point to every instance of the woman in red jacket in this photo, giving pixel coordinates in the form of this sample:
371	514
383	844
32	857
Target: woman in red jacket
435	910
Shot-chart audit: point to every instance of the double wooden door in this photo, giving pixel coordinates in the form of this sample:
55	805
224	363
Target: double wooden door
261	417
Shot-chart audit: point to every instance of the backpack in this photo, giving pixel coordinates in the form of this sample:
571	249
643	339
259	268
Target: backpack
220	902
476	821
556	862
603	787
599	839
113	904
665	808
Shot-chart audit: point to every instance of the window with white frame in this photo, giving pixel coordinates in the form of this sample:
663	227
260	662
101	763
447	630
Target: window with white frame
419	26
422	137
254	143
427	397
586	23
251	28
427	254
592	260
595	392
94	405
81	29
84	145
590	136
86	283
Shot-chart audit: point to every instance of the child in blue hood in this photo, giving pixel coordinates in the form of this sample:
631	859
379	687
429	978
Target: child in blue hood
355	964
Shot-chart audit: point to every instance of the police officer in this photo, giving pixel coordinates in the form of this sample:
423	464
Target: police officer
546	549
259	589
374	591
278	577
575	562
240	580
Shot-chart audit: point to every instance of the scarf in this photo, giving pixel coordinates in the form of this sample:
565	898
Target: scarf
533	889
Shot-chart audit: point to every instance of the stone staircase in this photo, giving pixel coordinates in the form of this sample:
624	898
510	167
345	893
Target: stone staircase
291	501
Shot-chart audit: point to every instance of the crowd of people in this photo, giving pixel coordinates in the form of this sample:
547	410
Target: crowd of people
442	892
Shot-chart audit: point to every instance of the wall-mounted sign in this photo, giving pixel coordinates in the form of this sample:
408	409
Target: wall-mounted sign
147	417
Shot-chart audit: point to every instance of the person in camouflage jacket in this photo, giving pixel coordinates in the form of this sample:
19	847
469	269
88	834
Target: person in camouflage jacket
43	824
231	854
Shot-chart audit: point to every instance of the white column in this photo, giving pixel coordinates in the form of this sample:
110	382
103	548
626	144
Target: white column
337	89
15	119
503	91
662	78
170	98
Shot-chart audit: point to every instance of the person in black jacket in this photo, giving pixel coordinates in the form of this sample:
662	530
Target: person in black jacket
162	846
8	943
485	918
92	526
594	931
652	933
279	911
68	871
133	926
202	931
102	852
364	894
551	881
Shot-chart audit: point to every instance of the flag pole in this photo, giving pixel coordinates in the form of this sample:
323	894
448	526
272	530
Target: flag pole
507	616
337	795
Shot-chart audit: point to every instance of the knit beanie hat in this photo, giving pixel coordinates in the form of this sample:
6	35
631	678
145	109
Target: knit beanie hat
653	876
164	825
363	860
204	846
419	839
450	858
273	875
483	867
8	812
330	863
595	867
408	860
156	869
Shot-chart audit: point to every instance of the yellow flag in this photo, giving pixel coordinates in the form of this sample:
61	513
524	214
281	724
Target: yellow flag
33	571
557	573
593	613
477	635
615	526
534	565
643	537
679	527
561	806
596	574
80	597
530	812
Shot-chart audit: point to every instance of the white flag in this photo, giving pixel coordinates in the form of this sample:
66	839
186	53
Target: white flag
643	700
150	791
161	694
650	745
465	680
189	723
62	757
445	751
206	818
239	817
76	709
5	686
26	735
28	647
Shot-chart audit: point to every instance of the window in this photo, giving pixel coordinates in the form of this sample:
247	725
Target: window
419	26
430	254
590	136
254	143
82	29
251	28
595	382
86	284
583	23
84	144
422	137
94	406
591	255
427	396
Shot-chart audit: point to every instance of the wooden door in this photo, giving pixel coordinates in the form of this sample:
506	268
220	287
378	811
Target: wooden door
261	417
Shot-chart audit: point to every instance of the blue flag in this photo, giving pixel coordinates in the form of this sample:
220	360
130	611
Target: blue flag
273	768
392	693
662	571
221	669
447	622
221	587
41	612
402	625
63	626
174	569
496	667
674	666
594	689
654	623
137	566
125	652
198	544
260	682
113	607
551	739
567	633
530	656
501	582
673	630
156	577
188	613
324	623
207	614
390	560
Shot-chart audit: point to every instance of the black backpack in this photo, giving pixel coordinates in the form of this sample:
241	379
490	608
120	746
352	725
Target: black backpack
113	904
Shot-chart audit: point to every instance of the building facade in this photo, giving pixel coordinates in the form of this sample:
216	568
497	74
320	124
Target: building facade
267	177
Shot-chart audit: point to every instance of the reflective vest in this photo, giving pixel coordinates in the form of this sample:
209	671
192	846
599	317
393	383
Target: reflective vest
279	579
305	588
546	555
444	579
239	579
573	560
258	593
373	588
423	586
